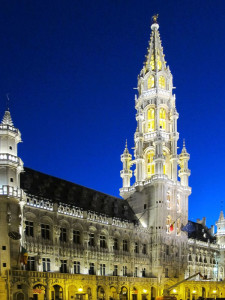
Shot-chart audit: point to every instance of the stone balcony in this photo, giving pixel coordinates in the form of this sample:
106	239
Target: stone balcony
6	158
10	191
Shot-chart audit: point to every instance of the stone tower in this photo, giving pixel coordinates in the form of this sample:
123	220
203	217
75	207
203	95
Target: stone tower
157	197
11	196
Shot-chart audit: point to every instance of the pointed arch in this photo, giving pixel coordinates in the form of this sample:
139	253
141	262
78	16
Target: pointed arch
150	165
162	82
151	119
151	82
162	118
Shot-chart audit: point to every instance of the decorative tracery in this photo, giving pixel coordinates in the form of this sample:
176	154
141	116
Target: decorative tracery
151	82
151	119
162	82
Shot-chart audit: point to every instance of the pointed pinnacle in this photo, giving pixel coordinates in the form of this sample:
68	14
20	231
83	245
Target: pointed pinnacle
126	144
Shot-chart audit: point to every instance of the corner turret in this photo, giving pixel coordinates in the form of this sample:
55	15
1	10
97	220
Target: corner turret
184	172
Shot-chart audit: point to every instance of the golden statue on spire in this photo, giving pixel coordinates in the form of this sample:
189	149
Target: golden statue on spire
155	19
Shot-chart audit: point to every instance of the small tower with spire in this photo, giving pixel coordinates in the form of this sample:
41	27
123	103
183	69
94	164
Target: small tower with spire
11	196
184	172
126	173
220	234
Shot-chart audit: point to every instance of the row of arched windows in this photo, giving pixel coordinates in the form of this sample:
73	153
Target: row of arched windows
151	82
151	119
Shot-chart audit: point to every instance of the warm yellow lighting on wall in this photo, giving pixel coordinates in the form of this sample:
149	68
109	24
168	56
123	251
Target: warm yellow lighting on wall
162	82
194	292
162	118
151	82
150	164
80	290
151	119
174	291
152	63
144	291
214	292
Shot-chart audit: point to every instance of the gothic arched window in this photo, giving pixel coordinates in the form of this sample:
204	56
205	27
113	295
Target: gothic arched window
162	118
150	164
162	82
151	82
151	119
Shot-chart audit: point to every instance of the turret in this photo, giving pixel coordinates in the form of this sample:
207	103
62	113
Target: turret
220	224
11	196
184	172
126	173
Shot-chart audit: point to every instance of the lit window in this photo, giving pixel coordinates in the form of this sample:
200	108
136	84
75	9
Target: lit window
162	82
150	164
151	82
162	118
159	63
151	119
152	63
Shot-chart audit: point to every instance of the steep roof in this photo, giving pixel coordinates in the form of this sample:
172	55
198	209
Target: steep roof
201	233
58	190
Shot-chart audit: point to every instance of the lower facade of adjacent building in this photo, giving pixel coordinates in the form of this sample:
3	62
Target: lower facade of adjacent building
27	285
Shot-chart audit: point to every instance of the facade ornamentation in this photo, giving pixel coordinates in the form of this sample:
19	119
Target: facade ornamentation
83	244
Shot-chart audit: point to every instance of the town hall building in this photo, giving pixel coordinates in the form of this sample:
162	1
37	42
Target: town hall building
60	240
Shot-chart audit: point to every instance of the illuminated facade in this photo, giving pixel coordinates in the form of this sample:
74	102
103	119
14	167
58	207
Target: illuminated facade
83	244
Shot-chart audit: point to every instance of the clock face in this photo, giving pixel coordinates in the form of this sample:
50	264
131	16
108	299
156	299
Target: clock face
14	235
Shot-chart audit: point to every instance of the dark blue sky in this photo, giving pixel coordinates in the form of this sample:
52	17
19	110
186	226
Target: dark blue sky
70	68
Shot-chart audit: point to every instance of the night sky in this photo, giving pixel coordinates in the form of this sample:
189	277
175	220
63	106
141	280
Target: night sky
70	68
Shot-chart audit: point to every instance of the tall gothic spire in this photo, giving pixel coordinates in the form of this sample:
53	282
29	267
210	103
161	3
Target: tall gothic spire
7	119
155	58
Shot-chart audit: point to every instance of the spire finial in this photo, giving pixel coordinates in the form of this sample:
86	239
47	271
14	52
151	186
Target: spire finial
126	144
155	24
184	146
155	19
